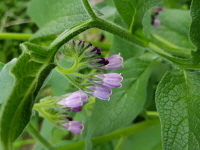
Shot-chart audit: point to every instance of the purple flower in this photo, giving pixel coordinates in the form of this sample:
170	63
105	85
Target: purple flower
74	126
156	22
111	80
74	99
92	51
75	109
101	92
115	62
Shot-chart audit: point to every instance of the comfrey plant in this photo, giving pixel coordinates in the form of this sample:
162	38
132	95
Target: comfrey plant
70	89
81	55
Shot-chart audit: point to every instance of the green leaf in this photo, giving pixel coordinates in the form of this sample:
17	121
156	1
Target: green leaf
177	99
150	136
53	17
126	102
132	11
173	29
195	26
1	66
7	81
30	71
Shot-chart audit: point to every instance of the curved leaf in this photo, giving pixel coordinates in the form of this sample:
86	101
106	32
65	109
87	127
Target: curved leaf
29	71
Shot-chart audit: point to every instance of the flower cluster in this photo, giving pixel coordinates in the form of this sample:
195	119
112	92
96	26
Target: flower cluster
154	21
98	84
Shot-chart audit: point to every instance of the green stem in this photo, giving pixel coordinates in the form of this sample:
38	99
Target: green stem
15	36
89	9
108	137
38	137
73	82
72	68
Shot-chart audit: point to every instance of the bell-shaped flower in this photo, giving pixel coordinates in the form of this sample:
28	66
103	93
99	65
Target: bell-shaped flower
115	62
74	126
111	80
101	92
74	99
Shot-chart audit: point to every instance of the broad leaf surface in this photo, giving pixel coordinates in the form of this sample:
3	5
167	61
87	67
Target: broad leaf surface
126	102
53	17
132	11
195	26
7	81
30	71
177	99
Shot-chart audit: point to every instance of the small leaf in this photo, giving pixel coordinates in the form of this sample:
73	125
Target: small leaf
126	102
30	71
7	80
177	100
132	11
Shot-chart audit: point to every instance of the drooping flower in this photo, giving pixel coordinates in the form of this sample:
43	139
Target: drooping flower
99	91
115	62
74	126
111	80
74	99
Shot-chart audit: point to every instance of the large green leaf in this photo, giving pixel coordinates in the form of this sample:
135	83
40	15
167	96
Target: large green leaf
7	81
132	11
177	99
173	30
126	102
29	71
53	17
195	26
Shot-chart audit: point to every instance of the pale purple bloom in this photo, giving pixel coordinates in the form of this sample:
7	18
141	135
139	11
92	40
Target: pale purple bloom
75	109
74	99
74	126
101	92
115	62
111	80
156	22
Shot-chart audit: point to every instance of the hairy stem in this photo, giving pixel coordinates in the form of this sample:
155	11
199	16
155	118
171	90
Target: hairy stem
38	137
89	9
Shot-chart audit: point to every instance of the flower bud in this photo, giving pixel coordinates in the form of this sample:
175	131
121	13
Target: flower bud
74	126
74	99
97	62
101	92
75	109
111	80
115	62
